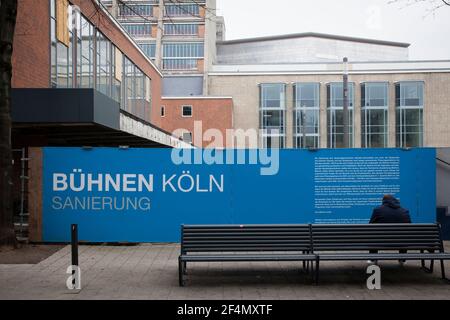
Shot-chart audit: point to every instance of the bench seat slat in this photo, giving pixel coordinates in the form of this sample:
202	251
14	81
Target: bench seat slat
248	257
382	256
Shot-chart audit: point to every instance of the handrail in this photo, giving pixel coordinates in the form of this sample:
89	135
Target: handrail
444	162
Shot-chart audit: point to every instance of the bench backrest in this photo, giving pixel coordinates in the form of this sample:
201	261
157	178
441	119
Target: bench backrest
256	238
376	237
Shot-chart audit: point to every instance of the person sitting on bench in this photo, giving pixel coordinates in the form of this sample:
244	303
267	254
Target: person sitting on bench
390	212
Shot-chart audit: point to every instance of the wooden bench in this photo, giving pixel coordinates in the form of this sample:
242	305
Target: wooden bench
241	243
354	242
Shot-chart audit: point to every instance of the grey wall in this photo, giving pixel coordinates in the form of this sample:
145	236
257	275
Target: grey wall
182	86
308	49
49	105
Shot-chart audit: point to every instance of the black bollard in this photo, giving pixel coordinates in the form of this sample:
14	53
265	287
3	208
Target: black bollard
74	237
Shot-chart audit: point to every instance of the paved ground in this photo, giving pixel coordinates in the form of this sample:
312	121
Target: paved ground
151	272
27	253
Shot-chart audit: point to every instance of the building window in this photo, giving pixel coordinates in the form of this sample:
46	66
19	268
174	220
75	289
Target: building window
163	111
335	114
98	65
86	54
138	29
117	74
182	10
409	113
103	64
186	111
149	49
136	91
272	114
135	10
183	55
306	115
62	41
180	29
374	114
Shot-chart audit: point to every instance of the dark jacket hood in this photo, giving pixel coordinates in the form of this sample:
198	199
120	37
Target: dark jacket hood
393	203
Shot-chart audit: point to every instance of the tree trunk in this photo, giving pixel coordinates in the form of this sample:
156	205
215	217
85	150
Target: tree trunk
8	13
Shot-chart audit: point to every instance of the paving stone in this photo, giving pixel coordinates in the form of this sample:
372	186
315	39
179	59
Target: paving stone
150	271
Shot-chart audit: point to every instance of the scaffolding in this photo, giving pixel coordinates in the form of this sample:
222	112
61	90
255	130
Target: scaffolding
21	214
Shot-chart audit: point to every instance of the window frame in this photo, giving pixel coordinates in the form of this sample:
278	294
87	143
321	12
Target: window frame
367	109
96	42
332	115
183	108
402	129
269	132
299	110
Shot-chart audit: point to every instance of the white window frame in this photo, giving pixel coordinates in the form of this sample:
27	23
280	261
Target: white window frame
182	111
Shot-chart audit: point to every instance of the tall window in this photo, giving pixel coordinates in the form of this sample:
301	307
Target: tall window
180	29
272	114
374	114
335	114
306	115
86	54
136	91
103	64
149	49
135	10
54	42
61	51
182	55
409	113
138	29
180	10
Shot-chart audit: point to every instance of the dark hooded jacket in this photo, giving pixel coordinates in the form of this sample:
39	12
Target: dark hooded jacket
390	212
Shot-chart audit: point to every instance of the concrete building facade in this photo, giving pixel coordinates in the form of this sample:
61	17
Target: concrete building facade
289	88
178	35
308	47
243	83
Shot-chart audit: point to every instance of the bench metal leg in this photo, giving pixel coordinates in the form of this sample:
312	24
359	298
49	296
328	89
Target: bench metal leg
424	267
180	272
184	267
422	262
315	272
443	272
306	266
304	263
430	269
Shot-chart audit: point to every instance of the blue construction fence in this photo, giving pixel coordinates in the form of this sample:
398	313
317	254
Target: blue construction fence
144	195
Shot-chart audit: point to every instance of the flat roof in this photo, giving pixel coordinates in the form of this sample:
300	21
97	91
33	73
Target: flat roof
315	35
196	98
370	67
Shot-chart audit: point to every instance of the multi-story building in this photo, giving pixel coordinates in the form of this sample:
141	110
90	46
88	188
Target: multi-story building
78	79
108	91
290	89
178	35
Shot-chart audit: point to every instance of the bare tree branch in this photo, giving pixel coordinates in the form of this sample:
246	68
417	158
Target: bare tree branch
433	5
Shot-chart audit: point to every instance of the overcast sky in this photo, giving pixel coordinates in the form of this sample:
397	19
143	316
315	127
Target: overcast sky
428	34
